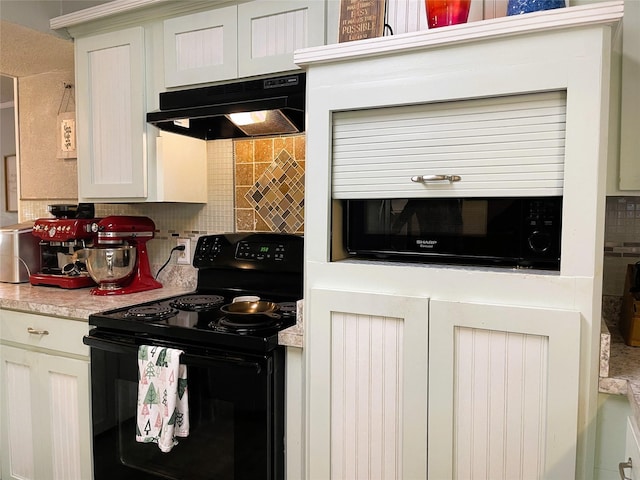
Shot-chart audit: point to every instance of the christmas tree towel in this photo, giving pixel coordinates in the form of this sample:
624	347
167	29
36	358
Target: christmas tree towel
163	412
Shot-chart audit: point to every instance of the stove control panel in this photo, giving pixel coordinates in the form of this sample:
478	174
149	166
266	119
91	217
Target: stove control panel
261	251
256	251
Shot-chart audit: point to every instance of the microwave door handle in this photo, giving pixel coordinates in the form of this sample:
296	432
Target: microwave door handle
435	178
120	347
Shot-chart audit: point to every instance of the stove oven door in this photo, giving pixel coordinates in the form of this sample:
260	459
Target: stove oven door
235	413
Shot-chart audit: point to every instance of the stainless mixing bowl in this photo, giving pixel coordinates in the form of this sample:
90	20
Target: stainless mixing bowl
110	267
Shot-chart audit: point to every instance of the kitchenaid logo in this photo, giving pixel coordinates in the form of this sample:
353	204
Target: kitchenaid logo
425	244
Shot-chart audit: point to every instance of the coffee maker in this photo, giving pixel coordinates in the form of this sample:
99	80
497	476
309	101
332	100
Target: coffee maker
71	229
119	262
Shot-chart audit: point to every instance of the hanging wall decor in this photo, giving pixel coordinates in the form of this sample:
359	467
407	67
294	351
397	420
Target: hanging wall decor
66	125
360	19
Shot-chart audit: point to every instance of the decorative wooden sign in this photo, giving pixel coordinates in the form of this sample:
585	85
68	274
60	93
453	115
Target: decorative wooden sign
66	135
360	19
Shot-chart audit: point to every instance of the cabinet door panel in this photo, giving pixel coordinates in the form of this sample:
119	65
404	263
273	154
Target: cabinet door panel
18	455
46	421
503	389
270	31
66	393
201	47
367	385
111	107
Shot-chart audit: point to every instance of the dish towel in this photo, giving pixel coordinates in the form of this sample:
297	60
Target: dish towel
163	410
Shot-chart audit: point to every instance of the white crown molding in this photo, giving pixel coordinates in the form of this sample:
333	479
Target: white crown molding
592	14
114	7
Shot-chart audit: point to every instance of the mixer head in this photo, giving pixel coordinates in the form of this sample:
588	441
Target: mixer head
116	229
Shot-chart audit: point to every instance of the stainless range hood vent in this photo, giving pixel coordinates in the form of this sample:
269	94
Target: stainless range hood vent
206	112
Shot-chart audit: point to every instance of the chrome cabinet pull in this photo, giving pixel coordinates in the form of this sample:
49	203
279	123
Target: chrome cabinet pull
33	331
622	466
435	178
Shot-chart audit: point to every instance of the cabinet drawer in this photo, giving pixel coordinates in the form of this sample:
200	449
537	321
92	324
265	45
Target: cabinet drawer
63	335
503	146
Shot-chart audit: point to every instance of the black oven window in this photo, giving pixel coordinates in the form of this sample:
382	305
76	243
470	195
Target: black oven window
230	434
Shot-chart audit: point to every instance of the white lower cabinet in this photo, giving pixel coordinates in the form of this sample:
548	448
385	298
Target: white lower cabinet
413	388
503	391
631	464
46	432
367	388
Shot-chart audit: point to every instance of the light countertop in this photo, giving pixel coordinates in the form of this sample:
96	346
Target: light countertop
619	365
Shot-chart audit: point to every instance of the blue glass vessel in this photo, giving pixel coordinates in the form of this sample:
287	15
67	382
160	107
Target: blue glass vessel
517	7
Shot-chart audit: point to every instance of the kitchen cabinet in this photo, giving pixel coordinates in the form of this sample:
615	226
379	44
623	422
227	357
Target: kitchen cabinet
503	391
243	40
45	397
563	52
367	385
120	157
632	450
110	70
629	174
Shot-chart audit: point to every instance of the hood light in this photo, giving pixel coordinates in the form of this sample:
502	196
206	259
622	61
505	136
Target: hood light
248	118
263	122
181	122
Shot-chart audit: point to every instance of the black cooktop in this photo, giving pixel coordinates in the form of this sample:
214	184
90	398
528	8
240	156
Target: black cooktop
266	266
197	318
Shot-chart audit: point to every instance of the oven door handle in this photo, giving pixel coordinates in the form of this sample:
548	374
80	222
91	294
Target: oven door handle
186	358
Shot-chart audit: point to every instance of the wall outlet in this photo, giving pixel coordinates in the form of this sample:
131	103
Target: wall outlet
184	256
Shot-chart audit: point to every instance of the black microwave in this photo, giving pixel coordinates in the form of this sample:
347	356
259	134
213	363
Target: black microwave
522	232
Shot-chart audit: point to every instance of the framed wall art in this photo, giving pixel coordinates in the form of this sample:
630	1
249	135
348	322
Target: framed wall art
360	19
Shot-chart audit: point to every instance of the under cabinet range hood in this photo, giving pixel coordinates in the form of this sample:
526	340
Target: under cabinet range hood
269	106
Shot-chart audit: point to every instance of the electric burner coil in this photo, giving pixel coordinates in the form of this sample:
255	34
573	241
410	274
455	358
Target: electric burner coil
151	312
197	303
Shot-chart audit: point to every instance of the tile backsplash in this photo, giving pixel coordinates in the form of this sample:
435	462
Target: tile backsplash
254	185
622	241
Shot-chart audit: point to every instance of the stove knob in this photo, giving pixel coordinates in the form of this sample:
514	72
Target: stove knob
52	231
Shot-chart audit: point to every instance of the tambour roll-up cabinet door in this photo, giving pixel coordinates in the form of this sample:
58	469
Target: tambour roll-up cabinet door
503	146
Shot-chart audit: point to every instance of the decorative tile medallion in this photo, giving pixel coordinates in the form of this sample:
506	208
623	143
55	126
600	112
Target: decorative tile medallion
278	194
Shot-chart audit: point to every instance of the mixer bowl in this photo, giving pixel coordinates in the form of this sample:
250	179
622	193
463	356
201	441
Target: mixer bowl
109	267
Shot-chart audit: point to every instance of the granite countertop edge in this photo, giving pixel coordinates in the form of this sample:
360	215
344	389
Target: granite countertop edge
78	304
619	365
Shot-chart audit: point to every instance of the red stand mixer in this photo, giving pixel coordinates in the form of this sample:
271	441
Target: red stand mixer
119	263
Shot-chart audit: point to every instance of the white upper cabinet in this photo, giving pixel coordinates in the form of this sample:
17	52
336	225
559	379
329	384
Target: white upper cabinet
244	40
630	99
201	47
270	31
119	157
110	73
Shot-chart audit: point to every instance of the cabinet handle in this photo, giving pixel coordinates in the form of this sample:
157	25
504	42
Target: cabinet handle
622	466
435	178
33	331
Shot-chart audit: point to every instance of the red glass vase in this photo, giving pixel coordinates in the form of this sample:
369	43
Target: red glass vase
446	12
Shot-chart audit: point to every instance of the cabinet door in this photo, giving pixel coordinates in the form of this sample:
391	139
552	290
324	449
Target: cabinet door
269	32
46	420
481	142
367	385
630	104
503	391
201	47
632	450
111	115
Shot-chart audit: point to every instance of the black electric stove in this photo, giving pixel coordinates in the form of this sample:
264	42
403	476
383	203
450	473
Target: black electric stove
261	266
